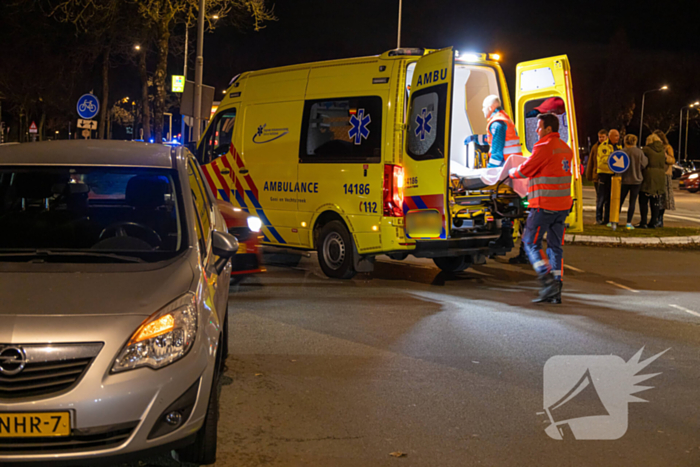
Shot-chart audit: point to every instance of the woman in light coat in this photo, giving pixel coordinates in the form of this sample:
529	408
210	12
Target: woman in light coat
669	202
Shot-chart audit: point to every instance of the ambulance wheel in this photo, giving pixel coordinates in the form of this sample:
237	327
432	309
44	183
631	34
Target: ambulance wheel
335	251
453	263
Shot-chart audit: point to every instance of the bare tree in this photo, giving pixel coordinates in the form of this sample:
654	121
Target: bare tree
107	26
163	15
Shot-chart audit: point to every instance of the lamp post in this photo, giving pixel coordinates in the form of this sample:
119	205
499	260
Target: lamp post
680	128
198	70
641	118
184	72
687	122
398	38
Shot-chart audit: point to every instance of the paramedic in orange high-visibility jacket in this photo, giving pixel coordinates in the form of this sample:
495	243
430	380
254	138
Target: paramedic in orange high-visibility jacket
502	137
548	170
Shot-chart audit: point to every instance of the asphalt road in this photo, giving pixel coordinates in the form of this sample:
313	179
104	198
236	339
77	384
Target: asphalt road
448	371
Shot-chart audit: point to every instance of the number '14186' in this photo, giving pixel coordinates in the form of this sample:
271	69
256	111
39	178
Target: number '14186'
357	188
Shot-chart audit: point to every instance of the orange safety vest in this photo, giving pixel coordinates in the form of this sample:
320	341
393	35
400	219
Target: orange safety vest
549	170
512	144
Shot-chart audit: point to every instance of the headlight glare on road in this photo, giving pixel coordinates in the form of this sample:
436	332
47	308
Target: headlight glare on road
254	223
162	339
692	176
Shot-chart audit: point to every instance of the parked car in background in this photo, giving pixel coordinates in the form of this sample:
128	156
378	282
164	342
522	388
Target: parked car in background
114	275
246	228
683	167
690	181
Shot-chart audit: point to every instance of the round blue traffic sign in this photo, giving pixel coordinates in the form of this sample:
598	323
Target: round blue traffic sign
88	106
618	161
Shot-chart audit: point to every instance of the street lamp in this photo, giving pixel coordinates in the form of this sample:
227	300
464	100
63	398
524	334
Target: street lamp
680	129
687	121
137	47
641	118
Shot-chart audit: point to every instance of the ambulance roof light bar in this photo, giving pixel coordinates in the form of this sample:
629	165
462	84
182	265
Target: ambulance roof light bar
407	51
475	57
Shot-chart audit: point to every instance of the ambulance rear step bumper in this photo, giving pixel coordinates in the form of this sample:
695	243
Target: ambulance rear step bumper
477	246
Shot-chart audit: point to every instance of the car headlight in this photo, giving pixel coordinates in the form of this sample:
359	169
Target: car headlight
165	337
692	176
254	223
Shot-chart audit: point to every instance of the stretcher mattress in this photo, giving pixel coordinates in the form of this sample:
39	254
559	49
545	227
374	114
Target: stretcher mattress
476	179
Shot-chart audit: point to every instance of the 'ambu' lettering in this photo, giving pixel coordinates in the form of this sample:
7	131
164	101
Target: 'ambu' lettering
433	77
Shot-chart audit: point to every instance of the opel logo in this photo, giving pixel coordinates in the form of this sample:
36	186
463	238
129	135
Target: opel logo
12	360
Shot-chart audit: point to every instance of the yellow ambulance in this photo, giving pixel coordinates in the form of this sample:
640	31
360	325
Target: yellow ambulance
354	158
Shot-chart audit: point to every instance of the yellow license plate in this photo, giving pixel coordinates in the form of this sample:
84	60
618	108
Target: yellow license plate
34	425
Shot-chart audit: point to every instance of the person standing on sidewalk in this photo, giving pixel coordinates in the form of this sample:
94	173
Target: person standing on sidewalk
549	195
669	202
592	164
632	177
654	183
605	175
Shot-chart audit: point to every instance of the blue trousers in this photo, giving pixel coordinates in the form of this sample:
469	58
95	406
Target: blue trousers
539	223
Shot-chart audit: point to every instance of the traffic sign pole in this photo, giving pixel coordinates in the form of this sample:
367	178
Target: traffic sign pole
618	162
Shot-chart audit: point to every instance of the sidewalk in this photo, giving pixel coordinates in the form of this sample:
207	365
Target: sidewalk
681	227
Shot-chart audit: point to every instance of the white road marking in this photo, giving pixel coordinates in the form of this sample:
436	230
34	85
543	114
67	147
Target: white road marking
568	266
622	286
695	313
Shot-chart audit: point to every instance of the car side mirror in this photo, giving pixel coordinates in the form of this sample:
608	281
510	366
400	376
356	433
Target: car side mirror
224	245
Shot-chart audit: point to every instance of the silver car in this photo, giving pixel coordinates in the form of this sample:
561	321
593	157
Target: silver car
114	275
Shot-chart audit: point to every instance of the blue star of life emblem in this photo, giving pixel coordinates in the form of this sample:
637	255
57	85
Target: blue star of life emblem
359	124
423	120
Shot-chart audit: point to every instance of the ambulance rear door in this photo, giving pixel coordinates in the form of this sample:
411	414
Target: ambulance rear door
544	85
427	159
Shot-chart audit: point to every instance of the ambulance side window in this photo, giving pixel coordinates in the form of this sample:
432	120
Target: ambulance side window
342	130
426	123
218	138
535	107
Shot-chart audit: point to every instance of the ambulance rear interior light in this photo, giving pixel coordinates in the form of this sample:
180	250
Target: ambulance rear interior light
393	190
407	51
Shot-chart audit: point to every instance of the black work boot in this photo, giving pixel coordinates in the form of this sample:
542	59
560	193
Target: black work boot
550	288
556	299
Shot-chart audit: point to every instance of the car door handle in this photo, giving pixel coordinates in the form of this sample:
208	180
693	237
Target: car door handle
243	171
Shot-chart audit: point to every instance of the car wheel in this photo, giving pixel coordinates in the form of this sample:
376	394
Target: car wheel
335	251
453	264
693	190
203	450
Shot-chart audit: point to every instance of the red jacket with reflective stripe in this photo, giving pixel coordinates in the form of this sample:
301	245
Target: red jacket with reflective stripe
512	143
549	171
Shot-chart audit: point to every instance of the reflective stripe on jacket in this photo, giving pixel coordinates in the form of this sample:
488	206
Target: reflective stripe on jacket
549	170
512	143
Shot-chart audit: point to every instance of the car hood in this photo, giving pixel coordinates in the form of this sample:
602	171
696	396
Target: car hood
127	291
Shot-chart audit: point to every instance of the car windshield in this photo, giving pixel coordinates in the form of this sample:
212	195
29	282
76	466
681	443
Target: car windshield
95	214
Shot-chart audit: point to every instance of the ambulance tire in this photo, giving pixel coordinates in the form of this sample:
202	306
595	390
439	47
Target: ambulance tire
335	251
453	264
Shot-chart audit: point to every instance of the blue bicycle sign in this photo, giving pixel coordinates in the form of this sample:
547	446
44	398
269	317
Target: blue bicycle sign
88	106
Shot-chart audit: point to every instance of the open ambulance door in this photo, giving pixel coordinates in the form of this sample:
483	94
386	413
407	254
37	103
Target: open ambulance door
426	162
544	85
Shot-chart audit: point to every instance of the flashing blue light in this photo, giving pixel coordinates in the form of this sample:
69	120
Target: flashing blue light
151	140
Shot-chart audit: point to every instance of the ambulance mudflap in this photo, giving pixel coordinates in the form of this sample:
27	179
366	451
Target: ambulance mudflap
426	163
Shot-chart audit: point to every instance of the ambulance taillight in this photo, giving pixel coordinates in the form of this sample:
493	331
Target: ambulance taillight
393	190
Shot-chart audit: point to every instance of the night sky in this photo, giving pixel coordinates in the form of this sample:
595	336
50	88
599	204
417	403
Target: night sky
662	43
